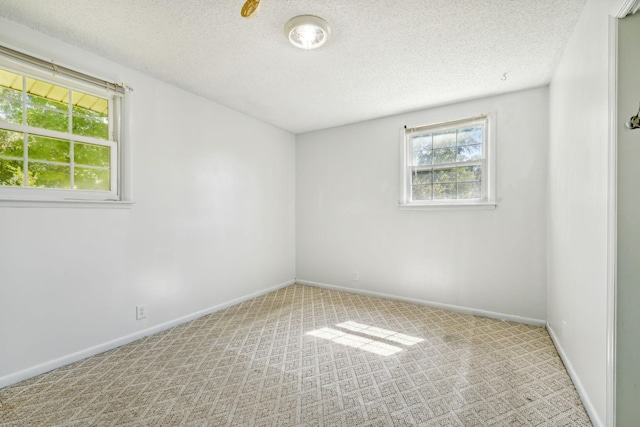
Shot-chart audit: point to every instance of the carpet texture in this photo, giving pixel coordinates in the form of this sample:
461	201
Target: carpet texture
303	356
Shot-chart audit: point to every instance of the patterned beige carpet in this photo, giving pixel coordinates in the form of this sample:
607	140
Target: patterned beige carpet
303	356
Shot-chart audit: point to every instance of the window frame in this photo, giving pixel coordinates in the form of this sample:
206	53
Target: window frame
28	196
488	198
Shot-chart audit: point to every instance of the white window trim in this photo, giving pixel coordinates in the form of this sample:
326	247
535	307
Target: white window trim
489	201
120	195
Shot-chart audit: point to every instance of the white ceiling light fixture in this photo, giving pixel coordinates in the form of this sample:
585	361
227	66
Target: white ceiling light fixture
307	31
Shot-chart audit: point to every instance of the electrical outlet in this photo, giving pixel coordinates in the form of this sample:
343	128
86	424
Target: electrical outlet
355	276
141	312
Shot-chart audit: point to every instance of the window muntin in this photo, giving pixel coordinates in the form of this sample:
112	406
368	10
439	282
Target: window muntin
58	139
447	163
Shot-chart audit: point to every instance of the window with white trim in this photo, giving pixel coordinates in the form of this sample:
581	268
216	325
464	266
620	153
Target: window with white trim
448	163
59	132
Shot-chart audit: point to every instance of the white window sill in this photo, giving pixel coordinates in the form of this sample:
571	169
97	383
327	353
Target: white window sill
448	206
81	204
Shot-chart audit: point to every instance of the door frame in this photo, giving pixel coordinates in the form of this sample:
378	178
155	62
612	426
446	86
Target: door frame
619	9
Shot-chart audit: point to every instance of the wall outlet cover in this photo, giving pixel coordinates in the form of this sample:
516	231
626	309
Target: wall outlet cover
141	312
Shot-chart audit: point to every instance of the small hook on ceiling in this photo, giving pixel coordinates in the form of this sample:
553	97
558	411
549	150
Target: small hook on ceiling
504	76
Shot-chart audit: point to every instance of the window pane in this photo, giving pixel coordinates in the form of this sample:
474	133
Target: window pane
91	179
90	115
421	158
421	149
10	97
87	102
88	126
11	143
469	173
469	152
91	154
422	142
444	139
421	177
10	80
52	149
46	118
421	192
444	175
470	136
11	172
444	155
46	94
470	190
45	175
444	191
10	106
47	105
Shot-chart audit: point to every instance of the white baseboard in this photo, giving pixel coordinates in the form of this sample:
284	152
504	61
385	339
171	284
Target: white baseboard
457	308
588	406
16	377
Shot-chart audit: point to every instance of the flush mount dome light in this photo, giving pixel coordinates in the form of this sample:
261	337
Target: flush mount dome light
307	31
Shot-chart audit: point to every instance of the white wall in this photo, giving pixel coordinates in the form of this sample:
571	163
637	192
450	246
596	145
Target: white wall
628	277
347	189
213	222
578	206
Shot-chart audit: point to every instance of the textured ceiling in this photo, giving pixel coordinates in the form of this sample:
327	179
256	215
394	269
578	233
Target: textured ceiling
383	57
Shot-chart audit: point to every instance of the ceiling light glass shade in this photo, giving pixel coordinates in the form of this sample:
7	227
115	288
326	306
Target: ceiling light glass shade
307	31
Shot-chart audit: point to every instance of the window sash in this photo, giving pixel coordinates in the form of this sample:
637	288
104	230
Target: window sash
114	110
37	193
67	193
